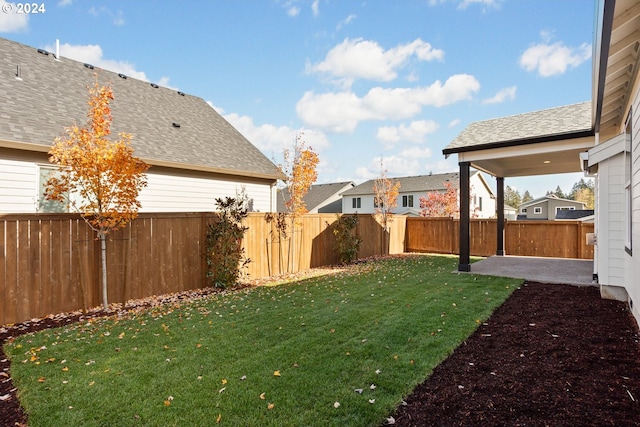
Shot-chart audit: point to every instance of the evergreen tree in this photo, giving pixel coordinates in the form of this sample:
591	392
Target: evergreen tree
512	197
526	197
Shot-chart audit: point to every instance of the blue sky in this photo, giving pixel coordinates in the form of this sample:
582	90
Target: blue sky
365	80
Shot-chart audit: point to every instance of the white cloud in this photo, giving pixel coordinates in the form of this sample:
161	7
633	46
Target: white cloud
359	58
485	3
414	132
293	11
63	3
453	123
12	22
464	4
117	18
271	139
345	21
552	59
342	111
92	54
315	7
506	94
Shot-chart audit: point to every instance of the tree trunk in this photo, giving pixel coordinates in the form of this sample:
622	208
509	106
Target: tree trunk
103	256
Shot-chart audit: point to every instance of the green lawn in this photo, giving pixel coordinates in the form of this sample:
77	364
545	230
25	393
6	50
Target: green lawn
334	350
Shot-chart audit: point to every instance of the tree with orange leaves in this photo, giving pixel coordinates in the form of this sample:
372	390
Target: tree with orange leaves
385	199
299	171
98	178
440	204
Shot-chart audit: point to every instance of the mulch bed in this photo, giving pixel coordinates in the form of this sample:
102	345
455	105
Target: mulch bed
551	355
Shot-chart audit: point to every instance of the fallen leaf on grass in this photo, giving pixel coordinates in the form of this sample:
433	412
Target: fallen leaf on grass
224	381
262	396
276	374
41	380
270	406
219	418
336	405
222	390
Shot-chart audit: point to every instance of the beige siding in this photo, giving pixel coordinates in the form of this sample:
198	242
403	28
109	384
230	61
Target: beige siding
610	260
169	192
632	262
18	181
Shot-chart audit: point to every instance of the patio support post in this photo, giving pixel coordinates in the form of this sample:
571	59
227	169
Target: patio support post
500	215
464	264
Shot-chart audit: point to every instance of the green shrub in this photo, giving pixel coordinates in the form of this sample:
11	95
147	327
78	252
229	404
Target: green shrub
347	241
225	255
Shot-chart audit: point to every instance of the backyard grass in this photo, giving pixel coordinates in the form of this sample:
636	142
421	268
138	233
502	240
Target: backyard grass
335	350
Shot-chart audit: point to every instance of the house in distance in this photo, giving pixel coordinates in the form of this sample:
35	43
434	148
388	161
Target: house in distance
360	199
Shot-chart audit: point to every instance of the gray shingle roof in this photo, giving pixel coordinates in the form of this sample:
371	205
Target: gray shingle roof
316	195
412	184
52	95
573	214
510	130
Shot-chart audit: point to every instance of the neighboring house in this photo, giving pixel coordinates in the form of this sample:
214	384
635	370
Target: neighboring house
321	198
510	212
547	207
195	154
360	199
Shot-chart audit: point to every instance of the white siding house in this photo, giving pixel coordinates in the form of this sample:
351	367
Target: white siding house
195	155
360	199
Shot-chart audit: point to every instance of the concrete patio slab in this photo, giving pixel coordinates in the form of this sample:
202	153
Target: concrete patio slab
537	269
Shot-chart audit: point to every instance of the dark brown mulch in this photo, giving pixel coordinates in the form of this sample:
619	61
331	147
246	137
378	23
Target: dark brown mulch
551	355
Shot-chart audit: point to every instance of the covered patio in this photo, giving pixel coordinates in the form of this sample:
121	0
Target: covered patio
537	269
543	142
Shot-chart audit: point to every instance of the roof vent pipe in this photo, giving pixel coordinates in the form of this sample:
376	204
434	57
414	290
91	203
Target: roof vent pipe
18	73
57	50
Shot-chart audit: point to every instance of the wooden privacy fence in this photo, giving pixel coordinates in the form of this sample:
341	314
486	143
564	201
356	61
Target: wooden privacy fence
561	239
49	263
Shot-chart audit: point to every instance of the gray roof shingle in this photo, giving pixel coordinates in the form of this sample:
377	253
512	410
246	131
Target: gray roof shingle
412	184
568	119
316	195
52	95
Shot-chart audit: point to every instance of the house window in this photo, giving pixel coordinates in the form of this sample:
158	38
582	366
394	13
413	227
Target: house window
523	210
377	204
407	201
480	203
537	210
628	187
356	203
44	205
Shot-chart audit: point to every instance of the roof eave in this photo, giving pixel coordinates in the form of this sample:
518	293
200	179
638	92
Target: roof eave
41	148
602	40
521	141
